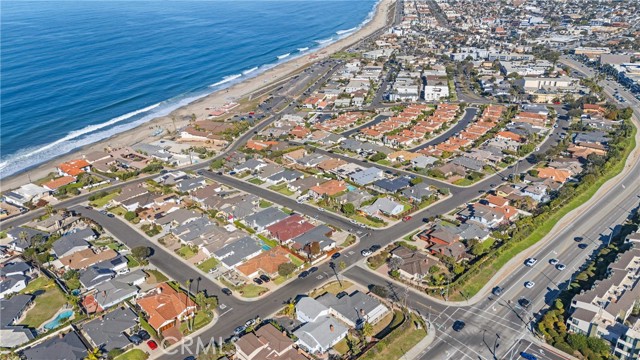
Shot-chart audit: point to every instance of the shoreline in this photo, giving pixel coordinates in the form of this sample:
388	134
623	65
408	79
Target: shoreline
176	119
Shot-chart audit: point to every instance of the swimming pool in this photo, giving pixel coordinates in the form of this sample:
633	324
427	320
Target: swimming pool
61	318
351	187
264	245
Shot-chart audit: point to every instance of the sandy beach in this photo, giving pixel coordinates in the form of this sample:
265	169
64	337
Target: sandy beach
200	107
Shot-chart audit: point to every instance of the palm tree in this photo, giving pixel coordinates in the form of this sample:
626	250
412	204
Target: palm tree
367	330
94	354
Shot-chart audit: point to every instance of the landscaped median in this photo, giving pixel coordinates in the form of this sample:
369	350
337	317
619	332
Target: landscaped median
530	230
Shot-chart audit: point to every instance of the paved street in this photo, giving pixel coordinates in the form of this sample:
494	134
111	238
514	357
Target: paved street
469	114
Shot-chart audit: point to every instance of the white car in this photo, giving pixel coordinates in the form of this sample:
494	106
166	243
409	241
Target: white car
553	262
531	261
529	284
561	267
366	252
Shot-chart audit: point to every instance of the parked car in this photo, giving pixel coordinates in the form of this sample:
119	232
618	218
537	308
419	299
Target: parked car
239	330
497	291
312	269
375	247
406	218
365	252
528	356
335	255
226	291
144	335
152	344
341	294
458	325
531	261
303	274
265	278
135	339
257	281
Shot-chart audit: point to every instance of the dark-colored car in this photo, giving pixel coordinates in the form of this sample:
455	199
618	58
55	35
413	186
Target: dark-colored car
497	291
578	238
144	335
458	325
226	291
265	278
528	356
525	303
341	294
375	248
303	274
257	281
312	269
335	256
135	339
583	246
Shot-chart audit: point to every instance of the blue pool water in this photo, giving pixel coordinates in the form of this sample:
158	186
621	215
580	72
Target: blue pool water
61	318
351	188
265	247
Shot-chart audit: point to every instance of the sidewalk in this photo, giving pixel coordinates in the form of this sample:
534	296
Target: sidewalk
416	352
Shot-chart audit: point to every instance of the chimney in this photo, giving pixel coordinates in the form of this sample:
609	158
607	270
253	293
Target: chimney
60	335
331	327
361	312
284	333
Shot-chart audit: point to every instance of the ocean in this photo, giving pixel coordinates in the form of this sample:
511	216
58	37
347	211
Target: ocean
76	72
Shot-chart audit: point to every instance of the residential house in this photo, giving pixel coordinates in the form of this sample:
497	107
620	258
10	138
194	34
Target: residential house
286	176
261	220
304	184
237	252
67	346
12	309
265	263
414	265
355	197
483	214
165	307
74	241
73	167
354	309
251	165
289	228
109	331
25	194
383	206
418	193
392	186
12	284
319	336
266	343
320	234
21	237
328	188
367	176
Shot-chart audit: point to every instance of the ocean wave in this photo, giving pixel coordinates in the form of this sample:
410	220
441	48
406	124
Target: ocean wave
226	79
280	57
340	32
250	70
303	49
324	41
33	156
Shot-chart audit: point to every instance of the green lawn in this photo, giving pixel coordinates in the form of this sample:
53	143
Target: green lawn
363	220
463	182
265	204
279	280
103	200
396	344
410	236
133	354
201	319
208	264
256	181
384	162
252	290
158	277
131	261
333	288
282	189
296	261
186	252
118	210
47	303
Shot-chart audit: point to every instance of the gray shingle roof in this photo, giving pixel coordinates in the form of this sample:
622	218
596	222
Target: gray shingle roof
71	240
107	332
69	347
235	252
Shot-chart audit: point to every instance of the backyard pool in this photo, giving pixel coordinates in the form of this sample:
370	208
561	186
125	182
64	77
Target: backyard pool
265	247
351	188
61	318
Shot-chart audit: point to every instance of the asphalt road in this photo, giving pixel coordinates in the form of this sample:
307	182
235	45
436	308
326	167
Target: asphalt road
469	114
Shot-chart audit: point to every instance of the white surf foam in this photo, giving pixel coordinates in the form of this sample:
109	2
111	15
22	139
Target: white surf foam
283	56
226	79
